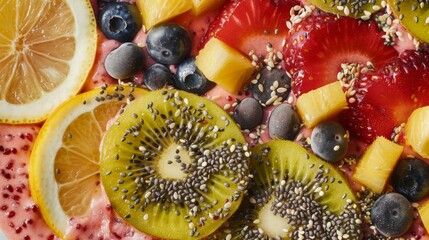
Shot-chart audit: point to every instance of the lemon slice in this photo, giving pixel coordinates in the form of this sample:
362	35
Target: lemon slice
64	170
47	48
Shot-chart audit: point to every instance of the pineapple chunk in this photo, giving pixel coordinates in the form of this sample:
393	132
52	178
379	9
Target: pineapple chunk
321	104
154	12
424	214
224	65
377	163
417	131
201	6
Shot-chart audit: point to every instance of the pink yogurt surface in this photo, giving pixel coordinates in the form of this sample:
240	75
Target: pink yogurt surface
102	223
19	216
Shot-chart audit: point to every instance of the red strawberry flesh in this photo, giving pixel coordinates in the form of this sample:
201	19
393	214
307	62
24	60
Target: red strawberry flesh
249	25
390	97
317	47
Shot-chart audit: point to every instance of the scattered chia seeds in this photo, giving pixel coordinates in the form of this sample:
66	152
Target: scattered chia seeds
187	127
298	204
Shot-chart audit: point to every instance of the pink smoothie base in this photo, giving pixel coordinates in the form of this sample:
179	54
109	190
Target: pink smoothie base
20	217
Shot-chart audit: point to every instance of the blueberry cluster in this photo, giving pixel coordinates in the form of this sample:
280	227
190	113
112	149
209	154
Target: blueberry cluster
168	44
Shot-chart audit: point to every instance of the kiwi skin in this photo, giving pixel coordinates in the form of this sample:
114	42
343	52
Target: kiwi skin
279	167
214	181
414	16
348	8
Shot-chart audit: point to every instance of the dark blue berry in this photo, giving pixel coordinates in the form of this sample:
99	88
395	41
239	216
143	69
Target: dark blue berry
269	81
125	61
411	178
157	76
189	78
329	141
392	215
284	123
168	43
120	21
248	113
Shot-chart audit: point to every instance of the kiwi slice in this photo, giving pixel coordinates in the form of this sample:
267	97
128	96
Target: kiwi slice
174	165
414	16
350	8
293	195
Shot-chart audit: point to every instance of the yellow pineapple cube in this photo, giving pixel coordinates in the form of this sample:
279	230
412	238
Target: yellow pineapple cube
200	6
154	12
424	214
224	65
321	104
377	163
417	131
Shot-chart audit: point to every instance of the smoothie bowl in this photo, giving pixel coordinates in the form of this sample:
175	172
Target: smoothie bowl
214	119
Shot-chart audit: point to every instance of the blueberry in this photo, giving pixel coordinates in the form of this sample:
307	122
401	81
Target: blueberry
120	21
124	61
168	43
329	141
392	214
271	80
248	113
157	76
411	178
189	78
284	122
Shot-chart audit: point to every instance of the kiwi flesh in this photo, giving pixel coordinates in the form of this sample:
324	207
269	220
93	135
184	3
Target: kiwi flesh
414	16
174	165
349	8
293	195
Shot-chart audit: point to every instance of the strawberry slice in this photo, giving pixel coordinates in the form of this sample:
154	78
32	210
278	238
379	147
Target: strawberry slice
249	25
387	99
317	47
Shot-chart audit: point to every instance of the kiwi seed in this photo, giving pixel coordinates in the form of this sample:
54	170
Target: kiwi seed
293	195
414	16
174	165
351	8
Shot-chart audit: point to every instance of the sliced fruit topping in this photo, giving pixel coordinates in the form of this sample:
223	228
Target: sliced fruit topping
189	78
154	12
386	100
417	131
256	22
48	48
424	214
284	123
374	168
168	43
316	48
411	178
125	61
321	104
120	21
174	165
351	8
224	65
248	113
201	6
413	15
293	195
392	215
329	141
64	167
